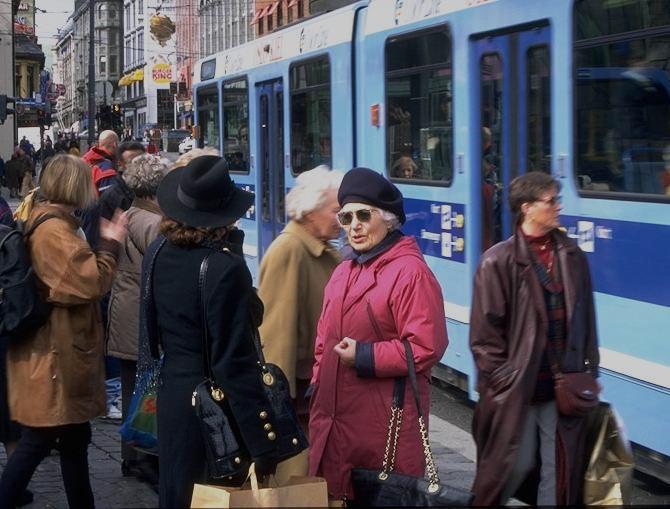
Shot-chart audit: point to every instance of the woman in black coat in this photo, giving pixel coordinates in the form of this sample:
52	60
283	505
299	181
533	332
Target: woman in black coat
202	204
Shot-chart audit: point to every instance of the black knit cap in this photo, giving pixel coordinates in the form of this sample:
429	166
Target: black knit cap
363	185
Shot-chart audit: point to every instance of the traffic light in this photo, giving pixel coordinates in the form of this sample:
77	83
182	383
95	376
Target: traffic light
117	120
4	110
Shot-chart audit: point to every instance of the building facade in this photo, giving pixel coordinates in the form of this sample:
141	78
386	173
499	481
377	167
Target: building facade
108	57
64	76
270	15
28	63
7	130
151	59
224	24
187	43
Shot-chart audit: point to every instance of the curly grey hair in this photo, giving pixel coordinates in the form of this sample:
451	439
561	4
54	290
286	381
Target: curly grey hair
144	174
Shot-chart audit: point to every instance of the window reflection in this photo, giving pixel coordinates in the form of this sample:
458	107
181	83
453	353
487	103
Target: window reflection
236	125
208	117
419	112
623	97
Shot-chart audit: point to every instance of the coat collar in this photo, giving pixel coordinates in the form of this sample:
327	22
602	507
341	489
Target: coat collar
566	251
315	247
45	208
147	205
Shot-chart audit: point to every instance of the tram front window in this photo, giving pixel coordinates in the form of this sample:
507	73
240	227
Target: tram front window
419	114
623	97
208	117
236	125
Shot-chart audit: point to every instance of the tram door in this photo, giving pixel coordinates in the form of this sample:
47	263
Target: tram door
270	97
514	75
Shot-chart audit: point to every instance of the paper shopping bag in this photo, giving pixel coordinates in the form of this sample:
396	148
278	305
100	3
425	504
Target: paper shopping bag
608	477
296	492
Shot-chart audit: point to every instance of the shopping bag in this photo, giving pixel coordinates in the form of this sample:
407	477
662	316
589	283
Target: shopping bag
296	492
608	477
140	427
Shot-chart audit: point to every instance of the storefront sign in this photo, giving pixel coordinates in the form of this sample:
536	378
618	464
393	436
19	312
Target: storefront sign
161	73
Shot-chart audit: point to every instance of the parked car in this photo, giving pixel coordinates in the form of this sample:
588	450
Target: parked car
186	144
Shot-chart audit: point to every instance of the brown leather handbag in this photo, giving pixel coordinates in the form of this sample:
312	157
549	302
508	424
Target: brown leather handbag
576	393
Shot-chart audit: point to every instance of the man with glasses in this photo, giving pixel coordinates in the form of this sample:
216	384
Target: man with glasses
532	319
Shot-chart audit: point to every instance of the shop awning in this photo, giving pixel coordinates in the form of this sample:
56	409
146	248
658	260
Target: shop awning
256	17
138	75
291	3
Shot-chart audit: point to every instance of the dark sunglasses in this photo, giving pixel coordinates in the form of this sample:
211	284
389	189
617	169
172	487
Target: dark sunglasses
554	200
362	215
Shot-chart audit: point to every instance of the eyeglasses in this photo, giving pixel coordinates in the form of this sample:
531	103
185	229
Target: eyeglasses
362	215
553	201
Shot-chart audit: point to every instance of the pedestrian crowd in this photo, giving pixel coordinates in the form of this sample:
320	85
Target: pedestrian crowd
135	254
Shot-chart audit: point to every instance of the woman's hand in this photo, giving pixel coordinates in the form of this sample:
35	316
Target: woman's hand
114	229
346	349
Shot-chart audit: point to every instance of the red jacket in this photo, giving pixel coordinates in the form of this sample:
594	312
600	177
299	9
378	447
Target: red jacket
394	295
102	165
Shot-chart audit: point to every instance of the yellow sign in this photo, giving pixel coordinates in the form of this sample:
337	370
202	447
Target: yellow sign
161	73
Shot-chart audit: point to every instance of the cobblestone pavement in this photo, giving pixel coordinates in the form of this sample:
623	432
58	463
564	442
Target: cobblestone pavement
112	490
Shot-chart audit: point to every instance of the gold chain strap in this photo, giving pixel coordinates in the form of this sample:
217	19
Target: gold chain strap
391	440
431	470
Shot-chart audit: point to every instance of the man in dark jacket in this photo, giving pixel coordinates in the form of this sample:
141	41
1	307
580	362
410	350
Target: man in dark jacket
532	314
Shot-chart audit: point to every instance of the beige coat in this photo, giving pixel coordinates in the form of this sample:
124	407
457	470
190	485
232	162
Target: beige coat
56	376
144	219
293	275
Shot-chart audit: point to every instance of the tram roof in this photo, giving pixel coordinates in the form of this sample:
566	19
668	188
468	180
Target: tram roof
325	31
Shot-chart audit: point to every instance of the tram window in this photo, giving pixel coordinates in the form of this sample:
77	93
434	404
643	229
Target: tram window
538	120
491	106
208	116
310	115
236	125
419	108
622	97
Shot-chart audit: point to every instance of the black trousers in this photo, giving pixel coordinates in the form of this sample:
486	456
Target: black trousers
71	441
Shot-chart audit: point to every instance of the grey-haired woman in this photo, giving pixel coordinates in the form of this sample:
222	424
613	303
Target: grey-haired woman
142	175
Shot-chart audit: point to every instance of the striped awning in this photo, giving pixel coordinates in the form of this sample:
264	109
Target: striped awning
256	17
291	3
273	8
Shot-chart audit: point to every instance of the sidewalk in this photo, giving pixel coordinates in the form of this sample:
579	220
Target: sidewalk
112	490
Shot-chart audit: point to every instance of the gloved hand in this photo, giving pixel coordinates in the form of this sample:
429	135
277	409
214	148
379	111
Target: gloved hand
265	465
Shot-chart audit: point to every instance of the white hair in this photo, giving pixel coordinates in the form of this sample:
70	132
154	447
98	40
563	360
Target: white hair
309	192
390	219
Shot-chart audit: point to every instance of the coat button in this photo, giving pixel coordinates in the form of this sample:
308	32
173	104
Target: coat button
53	377
267	427
263	415
271	435
294	441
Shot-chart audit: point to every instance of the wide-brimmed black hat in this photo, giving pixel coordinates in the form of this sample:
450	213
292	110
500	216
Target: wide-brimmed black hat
202	194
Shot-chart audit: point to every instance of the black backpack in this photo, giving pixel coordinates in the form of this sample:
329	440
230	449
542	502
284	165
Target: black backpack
21	308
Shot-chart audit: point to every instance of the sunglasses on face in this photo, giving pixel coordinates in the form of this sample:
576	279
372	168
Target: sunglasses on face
554	200
362	215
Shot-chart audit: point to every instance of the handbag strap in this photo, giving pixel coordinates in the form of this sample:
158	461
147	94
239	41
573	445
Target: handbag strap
397	409
206	360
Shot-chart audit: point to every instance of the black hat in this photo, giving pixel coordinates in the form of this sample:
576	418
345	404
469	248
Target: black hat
363	185
202	195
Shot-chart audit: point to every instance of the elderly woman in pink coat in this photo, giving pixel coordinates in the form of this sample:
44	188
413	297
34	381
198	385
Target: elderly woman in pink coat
385	293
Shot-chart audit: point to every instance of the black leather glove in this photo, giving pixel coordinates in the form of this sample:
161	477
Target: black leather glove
265	465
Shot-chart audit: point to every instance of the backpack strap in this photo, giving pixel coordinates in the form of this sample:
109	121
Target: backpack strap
41	219
8	232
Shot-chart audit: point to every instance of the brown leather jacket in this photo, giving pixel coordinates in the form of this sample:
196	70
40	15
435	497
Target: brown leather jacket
508	331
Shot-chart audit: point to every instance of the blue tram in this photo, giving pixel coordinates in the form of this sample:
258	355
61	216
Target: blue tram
451	100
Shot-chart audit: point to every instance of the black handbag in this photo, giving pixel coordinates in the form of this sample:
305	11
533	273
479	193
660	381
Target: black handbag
386	488
291	439
228	459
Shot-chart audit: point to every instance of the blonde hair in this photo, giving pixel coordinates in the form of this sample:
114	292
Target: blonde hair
186	158
309	192
67	179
